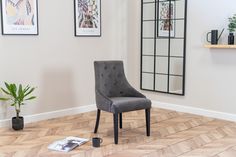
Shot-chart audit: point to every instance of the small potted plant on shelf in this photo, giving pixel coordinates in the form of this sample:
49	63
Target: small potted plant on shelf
16	95
231	28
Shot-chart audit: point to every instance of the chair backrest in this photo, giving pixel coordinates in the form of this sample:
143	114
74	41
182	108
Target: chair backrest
110	79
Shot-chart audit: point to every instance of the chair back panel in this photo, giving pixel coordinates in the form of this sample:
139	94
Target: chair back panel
110	79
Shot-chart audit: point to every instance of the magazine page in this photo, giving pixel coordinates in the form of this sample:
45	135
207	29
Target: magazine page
77	140
67	144
62	145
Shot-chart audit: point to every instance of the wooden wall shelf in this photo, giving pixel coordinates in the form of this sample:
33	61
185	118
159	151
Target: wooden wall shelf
220	46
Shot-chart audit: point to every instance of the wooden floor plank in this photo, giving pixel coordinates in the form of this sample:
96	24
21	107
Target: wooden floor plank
172	134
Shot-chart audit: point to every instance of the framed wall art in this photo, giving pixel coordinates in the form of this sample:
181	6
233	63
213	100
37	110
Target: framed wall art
166	19
19	17
87	17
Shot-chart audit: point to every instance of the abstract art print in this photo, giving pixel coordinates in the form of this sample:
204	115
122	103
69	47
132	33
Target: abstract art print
87	17
166	19
19	17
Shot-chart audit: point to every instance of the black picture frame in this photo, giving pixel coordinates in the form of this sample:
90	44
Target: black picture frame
92	26
14	24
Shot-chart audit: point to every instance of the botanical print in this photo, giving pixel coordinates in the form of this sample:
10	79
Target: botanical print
19	16
88	14
87	17
20	12
166	12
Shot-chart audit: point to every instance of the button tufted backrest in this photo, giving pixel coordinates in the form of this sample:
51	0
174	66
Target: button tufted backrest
110	79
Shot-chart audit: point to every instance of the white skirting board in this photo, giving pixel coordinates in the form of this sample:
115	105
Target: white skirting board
195	110
88	108
53	114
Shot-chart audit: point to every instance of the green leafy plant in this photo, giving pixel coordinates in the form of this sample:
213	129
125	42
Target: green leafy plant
232	24
17	95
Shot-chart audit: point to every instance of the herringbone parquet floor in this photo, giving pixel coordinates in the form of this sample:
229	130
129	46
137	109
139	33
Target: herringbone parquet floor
172	134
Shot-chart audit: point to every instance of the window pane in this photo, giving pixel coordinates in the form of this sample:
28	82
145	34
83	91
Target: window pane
161	83
147	81
177	47
148	11
162	65
148	64
148	47
175	84
148	29
162	46
176	66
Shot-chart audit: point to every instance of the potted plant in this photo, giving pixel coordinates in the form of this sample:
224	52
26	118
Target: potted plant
17	95
231	28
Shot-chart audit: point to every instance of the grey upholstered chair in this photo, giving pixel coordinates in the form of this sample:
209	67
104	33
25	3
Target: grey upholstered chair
114	94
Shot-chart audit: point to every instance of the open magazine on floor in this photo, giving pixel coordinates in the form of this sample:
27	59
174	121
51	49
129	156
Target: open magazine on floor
67	144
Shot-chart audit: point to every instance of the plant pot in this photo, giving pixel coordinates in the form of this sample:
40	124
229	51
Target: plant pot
17	123
231	39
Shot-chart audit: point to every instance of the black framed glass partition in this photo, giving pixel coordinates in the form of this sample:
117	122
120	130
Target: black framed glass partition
163	45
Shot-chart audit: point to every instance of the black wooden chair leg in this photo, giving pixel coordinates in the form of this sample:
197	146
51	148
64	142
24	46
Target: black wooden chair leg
97	121
120	120
147	113
115	119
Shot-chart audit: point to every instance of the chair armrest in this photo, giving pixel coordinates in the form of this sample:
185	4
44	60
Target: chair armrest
102	101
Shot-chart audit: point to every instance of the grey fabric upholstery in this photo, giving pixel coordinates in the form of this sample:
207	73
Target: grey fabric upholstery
125	104
113	92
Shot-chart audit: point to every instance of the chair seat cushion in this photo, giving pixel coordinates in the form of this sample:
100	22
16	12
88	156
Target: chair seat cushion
126	104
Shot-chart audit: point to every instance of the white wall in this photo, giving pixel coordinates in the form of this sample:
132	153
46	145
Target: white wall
57	63
210	74
61	65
